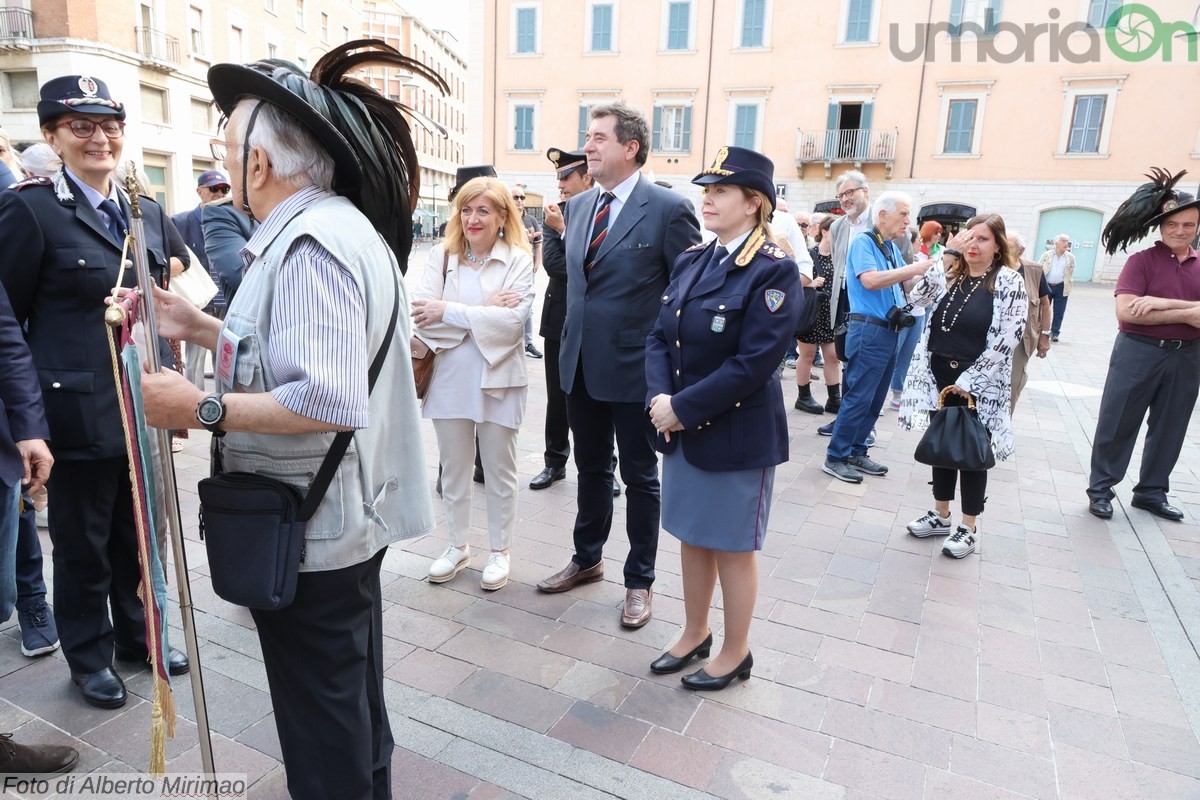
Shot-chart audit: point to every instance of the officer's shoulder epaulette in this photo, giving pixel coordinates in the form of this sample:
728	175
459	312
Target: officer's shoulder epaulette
773	251
31	181
696	247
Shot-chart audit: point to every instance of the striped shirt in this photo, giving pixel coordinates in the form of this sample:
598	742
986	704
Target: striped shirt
318	344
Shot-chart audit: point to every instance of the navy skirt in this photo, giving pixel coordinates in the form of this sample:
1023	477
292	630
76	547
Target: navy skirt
716	510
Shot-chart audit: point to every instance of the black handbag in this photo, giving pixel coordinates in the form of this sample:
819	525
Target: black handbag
810	308
956	439
253	525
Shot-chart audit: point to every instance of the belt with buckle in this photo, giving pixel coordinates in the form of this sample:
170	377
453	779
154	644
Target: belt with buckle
883	323
1163	344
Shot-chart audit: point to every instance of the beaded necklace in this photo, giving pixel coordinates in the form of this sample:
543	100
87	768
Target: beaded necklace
474	259
964	294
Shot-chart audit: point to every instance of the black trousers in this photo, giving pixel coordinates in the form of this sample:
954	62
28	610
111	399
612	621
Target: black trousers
324	660
593	426
558	438
95	561
974	483
1141	378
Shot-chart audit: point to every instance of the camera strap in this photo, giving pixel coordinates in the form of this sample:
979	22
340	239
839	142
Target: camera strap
881	244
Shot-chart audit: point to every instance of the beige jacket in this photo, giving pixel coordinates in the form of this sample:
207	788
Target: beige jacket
498	332
1068	273
1034	322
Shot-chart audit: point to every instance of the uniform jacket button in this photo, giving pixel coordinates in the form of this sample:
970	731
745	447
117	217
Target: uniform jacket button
82	262
676	373
677	344
678	313
737	405
721	307
56	385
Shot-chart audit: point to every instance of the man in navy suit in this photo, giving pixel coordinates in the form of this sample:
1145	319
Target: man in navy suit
211	185
622	239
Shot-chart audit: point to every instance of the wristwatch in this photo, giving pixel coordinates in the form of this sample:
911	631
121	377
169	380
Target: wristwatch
211	413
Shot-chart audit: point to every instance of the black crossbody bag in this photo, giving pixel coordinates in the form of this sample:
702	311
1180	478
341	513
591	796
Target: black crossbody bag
253	526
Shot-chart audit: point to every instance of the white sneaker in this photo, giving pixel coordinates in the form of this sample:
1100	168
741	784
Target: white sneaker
932	524
495	572
961	543
449	564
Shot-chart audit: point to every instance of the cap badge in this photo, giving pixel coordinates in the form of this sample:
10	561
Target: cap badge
1170	205
88	86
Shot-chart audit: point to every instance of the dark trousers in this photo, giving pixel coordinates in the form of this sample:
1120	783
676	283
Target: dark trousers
1143	377
1058	302
973	483
593	425
95	561
31	588
558	432
324	660
871	357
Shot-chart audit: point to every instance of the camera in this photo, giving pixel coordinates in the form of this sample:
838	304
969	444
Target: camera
901	317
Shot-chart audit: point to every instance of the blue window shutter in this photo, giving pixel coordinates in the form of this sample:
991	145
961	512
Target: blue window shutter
526	30
745	122
864	129
584	119
1101	11
956	17
687	129
858	22
656	131
1086	124
991	22
678	20
601	28
831	131
523	135
753	14
960	126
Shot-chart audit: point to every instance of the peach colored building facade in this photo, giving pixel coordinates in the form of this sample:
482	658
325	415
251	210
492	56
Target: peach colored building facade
1054	143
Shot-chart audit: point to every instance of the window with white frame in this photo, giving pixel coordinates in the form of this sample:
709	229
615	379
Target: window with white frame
746	119
156	108
300	14
679	24
753	23
237	43
203	116
601	27
526	29
1088	111
523	127
269	5
960	126
21	89
1100	12
196	30
324	27
672	129
859	22
960	129
974	17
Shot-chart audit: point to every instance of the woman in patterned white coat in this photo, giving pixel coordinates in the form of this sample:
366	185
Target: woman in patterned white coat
978	308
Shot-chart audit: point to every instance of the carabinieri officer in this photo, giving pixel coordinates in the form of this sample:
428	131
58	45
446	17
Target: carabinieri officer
61	258
714	396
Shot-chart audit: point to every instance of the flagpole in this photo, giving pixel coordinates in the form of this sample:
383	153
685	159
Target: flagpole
166	471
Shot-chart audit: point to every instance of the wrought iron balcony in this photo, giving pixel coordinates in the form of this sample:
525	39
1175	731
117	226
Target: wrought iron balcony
857	146
16	28
158	50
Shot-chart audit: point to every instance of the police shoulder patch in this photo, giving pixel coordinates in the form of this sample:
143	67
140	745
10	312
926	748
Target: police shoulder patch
774	299
31	181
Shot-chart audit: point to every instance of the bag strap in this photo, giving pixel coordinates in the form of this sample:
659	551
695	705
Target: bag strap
320	484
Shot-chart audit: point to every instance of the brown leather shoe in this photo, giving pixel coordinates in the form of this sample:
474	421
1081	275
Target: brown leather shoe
637	608
571	576
36	759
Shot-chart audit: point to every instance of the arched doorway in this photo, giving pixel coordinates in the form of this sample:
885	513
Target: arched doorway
1082	225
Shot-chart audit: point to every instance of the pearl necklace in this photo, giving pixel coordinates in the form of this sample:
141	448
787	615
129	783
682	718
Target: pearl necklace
474	259
966	298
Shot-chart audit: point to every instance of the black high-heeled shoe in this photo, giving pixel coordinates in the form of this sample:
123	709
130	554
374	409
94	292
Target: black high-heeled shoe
667	663
703	682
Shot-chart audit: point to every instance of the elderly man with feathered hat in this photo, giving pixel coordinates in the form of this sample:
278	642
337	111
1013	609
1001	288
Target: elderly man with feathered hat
1155	363
315	342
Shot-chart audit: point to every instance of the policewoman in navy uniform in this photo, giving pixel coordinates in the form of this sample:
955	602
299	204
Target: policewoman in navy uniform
726	321
61	258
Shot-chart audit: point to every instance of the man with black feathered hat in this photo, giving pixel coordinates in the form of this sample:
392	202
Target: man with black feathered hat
321	303
1155	363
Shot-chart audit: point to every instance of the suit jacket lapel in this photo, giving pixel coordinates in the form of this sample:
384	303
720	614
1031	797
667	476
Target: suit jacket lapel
712	278
88	215
631	214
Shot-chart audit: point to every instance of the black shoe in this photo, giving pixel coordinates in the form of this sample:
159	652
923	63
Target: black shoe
177	662
1054	337
35	759
103	689
834	403
532	351
667	663
616	488
1159	508
547	477
703	682
478	475
1101	508
805	402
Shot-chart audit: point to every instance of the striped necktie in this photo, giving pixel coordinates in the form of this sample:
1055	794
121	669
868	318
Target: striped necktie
599	230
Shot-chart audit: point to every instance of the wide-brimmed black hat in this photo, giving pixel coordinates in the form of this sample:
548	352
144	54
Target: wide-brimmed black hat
80	94
283	84
464	174
565	161
740	166
1148	207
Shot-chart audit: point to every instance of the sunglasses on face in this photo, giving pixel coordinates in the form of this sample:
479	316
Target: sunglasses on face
85	128
221	190
804	225
518	197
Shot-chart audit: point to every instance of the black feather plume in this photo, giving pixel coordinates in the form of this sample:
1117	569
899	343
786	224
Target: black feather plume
1131	222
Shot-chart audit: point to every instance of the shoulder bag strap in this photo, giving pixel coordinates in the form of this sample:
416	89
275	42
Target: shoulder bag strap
333	459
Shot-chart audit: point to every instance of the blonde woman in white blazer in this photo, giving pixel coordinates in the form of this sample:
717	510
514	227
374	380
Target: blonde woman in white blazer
474	320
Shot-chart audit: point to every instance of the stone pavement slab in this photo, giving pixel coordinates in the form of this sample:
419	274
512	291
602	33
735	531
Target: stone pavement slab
1058	662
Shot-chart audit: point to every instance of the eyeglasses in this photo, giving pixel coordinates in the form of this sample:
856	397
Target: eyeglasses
518	197
219	148
86	129
221	190
804	225
846	194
